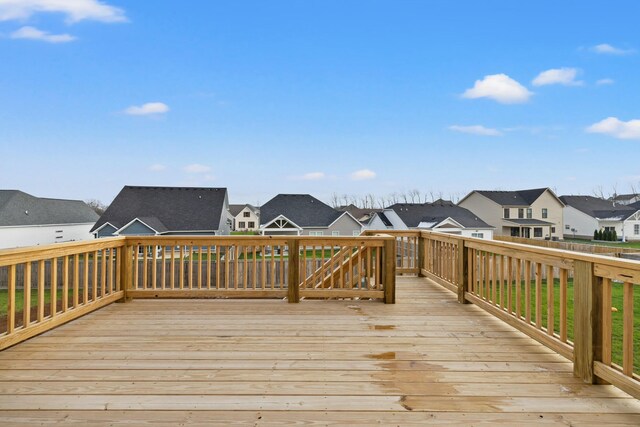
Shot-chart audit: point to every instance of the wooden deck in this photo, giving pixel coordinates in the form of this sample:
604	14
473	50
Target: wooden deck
425	360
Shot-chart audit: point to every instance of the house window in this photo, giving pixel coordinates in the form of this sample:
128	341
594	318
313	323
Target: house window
316	233
537	232
553	229
506	212
251	224
241	224
545	213
529	213
246	214
520	213
567	227
478	235
335	233
636	229
609	229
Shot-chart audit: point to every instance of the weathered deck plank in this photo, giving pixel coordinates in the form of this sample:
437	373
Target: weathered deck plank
423	360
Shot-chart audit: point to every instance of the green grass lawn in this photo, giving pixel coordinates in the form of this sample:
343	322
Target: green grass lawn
616	316
633	245
4	296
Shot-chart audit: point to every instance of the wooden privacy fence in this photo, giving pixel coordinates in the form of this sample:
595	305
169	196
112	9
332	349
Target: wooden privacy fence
585	307
46	286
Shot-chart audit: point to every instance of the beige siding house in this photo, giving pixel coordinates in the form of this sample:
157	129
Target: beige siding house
245	217
535	213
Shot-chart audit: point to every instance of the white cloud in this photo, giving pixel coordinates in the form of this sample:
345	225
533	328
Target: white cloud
33	33
499	87
607	49
557	76
363	174
74	10
605	82
197	168
157	167
147	109
617	128
476	130
313	176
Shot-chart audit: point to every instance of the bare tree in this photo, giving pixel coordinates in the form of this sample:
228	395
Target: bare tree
335	200
97	206
598	192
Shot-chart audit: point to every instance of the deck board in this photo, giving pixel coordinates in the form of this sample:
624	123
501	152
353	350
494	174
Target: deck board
426	359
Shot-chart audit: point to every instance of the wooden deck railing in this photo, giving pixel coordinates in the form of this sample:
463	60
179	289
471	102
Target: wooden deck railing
580	305
44	287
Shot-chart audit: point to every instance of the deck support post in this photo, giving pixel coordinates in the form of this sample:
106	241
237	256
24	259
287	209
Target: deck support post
463	271
421	250
125	253
587	289
293	273
389	270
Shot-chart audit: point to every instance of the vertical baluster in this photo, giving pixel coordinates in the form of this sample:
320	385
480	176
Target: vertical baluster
527	291
510	285
273	264
200	255
95	274
539	295
245	272
163	271
172	269
65	283
627	330
154	267
236	272
85	275
26	289
53	291
190	274
76	279
11	300
550	301
218	267
518	288
145	268
111	259
263	266
254	268
607	323
209	262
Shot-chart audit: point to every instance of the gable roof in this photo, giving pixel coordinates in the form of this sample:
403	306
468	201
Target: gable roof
412	214
303	209
167	208
19	208
624	197
236	209
599	208
513	198
359	213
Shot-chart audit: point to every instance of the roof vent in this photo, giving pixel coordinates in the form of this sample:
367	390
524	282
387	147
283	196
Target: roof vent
26	212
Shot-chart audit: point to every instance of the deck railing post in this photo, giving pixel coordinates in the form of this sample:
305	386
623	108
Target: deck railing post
125	269
389	270
421	248
587	291
463	271
293	273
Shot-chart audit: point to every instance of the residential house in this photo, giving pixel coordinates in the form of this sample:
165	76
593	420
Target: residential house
302	214
26	220
535	213
585	214
442	216
166	211
245	217
361	214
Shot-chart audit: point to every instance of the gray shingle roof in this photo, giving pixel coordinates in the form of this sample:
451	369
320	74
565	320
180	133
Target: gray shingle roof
412	214
303	209
513	198
169	208
236	209
599	208
19	208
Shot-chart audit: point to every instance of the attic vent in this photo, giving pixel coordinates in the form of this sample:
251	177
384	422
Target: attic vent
26	212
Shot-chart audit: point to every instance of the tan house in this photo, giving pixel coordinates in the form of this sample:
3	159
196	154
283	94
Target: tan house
245	217
534	214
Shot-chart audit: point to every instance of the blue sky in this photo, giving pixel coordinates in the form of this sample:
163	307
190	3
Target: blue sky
320	97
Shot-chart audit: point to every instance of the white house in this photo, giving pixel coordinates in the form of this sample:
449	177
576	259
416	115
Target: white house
585	214
442	216
26	220
245	217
